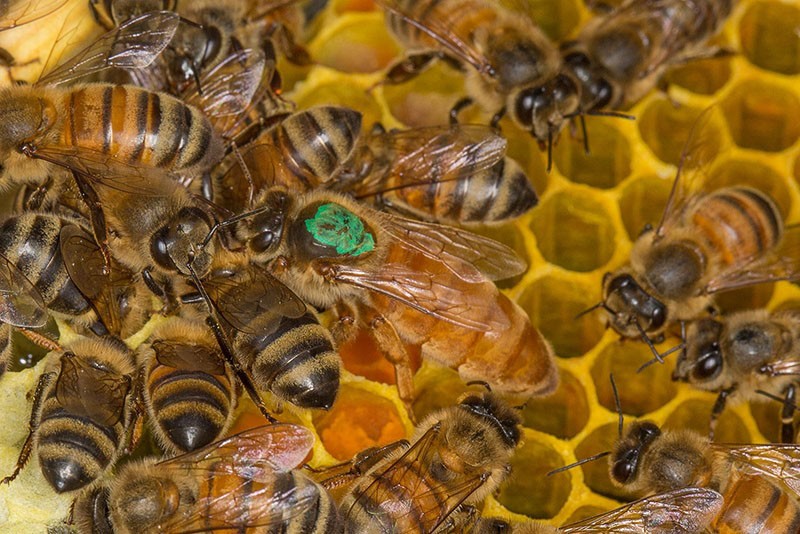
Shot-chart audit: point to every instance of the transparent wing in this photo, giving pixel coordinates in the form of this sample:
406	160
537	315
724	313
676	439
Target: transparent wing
783	263
686	510
437	294
189	357
469	256
19	12
699	151
134	44
437	26
21	304
244	295
432	504
96	392
780	463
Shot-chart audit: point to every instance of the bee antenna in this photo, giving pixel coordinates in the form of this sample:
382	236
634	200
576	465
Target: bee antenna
614	114
579	462
480	383
549	147
617	404
585	133
592	308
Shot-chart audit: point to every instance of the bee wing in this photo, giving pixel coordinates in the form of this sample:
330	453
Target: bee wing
254	294
686	510
780	463
436	25
783	263
388	493
21	304
93	391
424	156
698	152
469	256
19	12
107	171
228	88
435	294
189	357
132	45
242	503
269	448
86	267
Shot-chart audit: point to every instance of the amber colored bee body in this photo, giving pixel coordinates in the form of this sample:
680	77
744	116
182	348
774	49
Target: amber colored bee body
618	57
189	392
82	413
458	455
246	482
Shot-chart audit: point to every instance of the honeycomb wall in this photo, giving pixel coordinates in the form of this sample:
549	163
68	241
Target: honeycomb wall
591	209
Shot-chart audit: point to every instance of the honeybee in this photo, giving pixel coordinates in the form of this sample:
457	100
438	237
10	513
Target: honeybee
247	482
620	56
706	242
687	510
457	174
458	455
15	13
83	413
276	338
739	354
188	390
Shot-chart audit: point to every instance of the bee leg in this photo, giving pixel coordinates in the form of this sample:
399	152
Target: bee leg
787	414
716	411
38	398
410	67
293	51
497	117
458	108
37	196
342	330
346	472
392	347
97	217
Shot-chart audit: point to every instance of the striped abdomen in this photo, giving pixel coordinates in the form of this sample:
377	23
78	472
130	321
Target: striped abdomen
463	17
496	194
295	359
739	223
73	449
191	408
140	127
314	143
751	504
30	241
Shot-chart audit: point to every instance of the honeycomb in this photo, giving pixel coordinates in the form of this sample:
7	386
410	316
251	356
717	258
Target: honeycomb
591	209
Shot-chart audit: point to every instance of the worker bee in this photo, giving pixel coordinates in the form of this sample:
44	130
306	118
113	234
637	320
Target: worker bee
271	332
620	56
740	354
83	415
706	242
458	455
188	390
686	510
14	13
457	174
247	482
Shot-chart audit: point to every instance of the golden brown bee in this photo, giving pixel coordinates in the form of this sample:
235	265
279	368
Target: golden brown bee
739	354
620	56
758	483
457	174
82	415
15	13
682	511
247	482
458	455
514	67
189	391
706	242
276	338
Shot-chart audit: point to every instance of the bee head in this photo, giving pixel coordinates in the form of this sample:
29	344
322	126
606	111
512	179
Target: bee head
632	311
624	462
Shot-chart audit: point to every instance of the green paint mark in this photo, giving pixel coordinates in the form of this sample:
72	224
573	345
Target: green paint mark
336	226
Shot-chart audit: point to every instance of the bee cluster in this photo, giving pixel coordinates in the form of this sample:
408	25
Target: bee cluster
225	215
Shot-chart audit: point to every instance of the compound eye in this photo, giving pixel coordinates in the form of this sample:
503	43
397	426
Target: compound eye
213	44
620	282
602	92
647	432
624	468
262	242
658	315
709	364
528	101
159	249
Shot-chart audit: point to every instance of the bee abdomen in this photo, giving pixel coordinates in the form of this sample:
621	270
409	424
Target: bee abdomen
298	362
740	223
30	241
141	127
73	451
752	504
190	407
316	142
